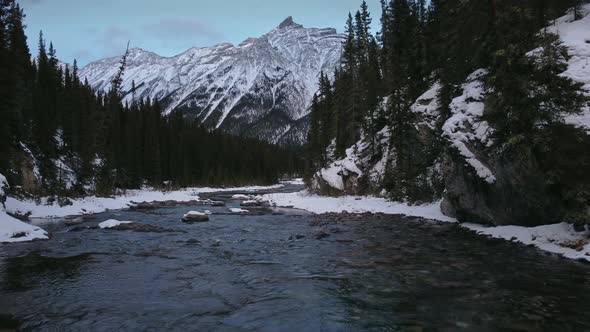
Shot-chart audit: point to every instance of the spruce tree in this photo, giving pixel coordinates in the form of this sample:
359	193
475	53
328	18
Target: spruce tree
7	105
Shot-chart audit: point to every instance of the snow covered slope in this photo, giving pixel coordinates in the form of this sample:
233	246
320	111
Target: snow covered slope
576	37
260	87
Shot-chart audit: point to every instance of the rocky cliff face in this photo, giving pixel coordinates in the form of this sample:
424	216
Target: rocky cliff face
262	87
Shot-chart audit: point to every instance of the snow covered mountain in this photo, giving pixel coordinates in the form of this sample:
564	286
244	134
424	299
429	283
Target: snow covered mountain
262	87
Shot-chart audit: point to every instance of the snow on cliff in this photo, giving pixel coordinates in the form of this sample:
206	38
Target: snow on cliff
466	126
3	187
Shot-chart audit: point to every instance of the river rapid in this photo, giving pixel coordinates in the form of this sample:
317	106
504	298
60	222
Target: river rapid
285	270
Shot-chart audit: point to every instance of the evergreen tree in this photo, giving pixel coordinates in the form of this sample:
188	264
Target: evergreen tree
7	104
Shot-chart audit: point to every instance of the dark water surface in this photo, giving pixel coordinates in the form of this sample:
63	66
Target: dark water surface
286	271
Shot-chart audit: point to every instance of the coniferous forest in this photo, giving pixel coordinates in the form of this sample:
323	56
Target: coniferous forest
54	127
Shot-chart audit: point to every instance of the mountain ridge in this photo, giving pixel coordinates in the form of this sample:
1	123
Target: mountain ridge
258	88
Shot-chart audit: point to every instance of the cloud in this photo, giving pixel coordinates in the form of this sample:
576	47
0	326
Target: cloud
181	30
113	40
166	36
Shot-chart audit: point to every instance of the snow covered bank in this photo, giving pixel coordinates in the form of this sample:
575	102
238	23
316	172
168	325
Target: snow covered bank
90	205
13	230
355	204
558	238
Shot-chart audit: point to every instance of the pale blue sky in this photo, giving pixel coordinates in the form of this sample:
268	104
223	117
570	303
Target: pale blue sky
92	29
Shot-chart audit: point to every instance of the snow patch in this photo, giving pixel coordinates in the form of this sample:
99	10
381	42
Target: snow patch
112	223
558	238
355	204
576	37
334	174
297	181
238	210
427	106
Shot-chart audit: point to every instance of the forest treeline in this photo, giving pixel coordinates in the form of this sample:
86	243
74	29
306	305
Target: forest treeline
78	141
421	43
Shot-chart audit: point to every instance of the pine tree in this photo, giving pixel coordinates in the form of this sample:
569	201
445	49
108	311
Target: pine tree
7	104
529	92
16	52
313	138
327	118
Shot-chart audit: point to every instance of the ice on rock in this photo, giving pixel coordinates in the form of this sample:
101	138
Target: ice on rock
238	210
112	223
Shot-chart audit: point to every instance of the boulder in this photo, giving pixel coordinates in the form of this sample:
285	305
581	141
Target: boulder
194	216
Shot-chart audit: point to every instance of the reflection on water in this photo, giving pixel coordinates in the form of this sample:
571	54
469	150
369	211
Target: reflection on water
286	270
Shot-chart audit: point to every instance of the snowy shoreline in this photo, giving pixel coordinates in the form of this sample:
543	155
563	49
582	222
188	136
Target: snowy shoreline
560	238
93	204
13	230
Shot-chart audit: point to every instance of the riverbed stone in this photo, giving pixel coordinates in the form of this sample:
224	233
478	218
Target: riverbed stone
192	218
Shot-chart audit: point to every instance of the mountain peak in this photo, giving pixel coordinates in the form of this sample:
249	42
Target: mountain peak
288	22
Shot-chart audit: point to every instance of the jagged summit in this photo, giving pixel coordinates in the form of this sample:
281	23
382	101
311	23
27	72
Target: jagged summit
288	23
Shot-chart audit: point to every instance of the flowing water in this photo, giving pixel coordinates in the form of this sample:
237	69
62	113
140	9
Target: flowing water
285	270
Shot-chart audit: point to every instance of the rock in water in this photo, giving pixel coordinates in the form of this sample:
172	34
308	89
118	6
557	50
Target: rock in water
194	216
